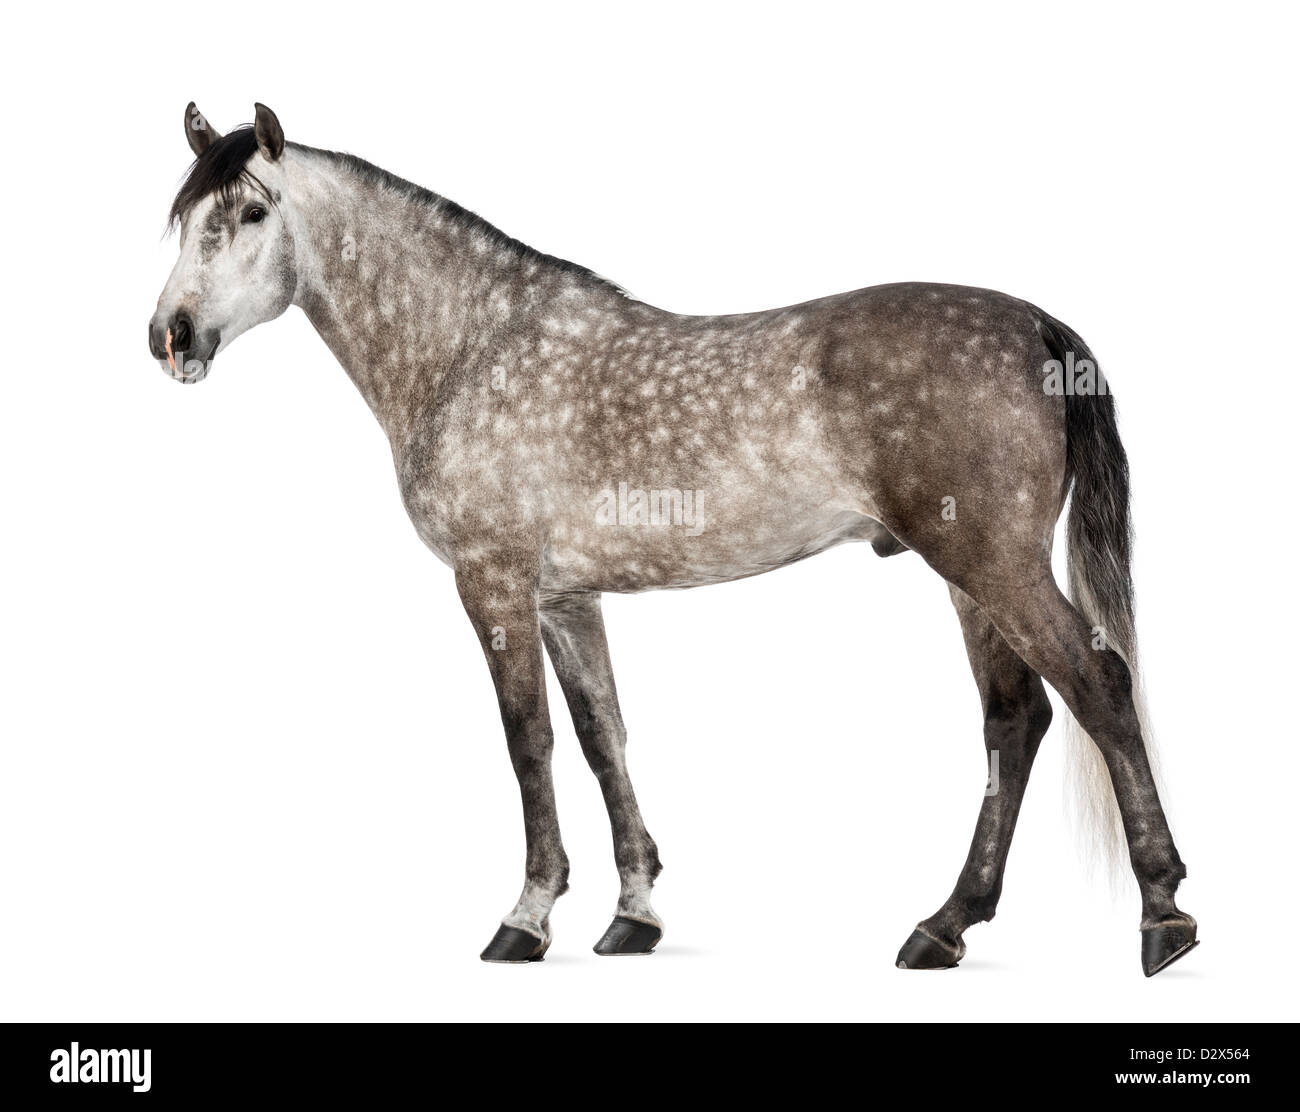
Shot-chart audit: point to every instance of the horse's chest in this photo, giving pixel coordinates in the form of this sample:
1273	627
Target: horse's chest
472	493
430	504
432	524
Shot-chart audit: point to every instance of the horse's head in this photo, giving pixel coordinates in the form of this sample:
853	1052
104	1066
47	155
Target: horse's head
236	267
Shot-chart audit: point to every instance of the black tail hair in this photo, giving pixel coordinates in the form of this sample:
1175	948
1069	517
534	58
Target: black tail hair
1099	529
1099	542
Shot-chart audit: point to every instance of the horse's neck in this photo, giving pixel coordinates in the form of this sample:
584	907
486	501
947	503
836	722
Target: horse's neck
402	291
376	279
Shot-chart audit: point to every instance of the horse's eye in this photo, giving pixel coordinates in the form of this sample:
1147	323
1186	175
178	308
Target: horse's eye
254	215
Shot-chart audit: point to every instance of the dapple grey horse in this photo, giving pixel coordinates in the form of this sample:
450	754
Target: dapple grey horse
556	438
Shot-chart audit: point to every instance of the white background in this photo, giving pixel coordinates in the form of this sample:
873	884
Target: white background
252	764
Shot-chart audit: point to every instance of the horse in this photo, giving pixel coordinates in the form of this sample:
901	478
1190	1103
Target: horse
555	438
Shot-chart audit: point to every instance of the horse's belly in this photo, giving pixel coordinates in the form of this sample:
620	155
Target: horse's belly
636	544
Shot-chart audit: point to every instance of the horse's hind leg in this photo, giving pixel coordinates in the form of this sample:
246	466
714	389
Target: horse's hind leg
1054	639
1016	715
574	633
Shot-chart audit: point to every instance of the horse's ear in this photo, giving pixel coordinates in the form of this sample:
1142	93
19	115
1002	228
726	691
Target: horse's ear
270	139
198	132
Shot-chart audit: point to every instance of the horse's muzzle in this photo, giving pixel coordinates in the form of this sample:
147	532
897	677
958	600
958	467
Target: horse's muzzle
176	343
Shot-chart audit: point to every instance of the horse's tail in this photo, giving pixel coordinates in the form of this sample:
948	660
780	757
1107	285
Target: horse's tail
1099	544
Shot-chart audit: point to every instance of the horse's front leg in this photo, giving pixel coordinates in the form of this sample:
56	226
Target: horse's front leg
500	597
574	634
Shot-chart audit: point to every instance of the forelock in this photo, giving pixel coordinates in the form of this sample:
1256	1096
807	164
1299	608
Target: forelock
221	169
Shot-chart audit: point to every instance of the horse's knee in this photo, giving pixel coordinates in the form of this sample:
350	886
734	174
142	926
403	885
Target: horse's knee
603	740
530	756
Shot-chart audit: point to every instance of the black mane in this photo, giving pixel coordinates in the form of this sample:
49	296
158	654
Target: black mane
223	166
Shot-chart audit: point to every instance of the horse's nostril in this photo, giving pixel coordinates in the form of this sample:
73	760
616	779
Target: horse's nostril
182	334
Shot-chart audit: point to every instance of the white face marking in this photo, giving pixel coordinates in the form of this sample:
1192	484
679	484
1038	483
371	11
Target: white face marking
234	270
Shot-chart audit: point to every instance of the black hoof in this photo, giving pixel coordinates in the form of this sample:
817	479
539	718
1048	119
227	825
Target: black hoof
512	946
923	952
1162	946
628	936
